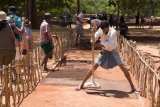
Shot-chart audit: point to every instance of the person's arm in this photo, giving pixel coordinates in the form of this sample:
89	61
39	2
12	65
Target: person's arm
21	30
97	35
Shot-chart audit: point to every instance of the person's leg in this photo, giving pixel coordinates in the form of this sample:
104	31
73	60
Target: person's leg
127	75
86	78
77	39
44	62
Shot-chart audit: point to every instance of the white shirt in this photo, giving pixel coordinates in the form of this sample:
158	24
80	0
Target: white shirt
80	16
45	27
97	22
108	40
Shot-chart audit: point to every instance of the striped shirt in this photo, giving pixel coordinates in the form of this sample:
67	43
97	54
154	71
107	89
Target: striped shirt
45	28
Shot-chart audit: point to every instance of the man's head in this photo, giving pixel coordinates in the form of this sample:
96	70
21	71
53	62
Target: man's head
48	17
104	26
12	10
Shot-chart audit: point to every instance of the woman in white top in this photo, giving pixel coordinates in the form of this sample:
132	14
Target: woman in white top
108	57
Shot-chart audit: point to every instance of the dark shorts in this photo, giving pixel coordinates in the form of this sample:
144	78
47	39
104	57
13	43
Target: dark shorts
79	29
47	47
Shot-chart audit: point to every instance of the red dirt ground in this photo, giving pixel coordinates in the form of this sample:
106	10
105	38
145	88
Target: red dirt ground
58	88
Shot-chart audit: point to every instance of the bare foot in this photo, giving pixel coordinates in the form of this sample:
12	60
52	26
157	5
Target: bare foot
79	88
134	90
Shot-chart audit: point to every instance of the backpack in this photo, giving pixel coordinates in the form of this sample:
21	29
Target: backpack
13	20
16	21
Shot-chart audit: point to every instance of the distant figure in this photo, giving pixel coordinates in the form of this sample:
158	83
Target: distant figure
79	25
152	19
143	21
104	17
95	24
69	20
98	16
111	20
122	19
137	21
123	29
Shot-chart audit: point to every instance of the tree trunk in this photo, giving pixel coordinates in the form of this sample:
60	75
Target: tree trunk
78	7
118	5
32	14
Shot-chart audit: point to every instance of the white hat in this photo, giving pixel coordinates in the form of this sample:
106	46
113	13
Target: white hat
3	16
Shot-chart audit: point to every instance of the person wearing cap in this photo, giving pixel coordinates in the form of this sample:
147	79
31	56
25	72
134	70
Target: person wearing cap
79	25
8	43
17	21
108	57
46	39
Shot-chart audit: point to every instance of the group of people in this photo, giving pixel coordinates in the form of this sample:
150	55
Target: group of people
9	41
141	21
16	37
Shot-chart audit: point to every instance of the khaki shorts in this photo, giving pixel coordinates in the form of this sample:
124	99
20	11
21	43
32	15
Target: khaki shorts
6	56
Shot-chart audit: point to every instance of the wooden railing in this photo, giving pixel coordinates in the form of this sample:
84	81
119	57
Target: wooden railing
18	79
141	67
64	42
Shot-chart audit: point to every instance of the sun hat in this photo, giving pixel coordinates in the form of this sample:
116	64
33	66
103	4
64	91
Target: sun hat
3	16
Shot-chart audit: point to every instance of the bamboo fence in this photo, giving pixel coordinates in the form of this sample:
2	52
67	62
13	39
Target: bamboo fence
142	68
20	78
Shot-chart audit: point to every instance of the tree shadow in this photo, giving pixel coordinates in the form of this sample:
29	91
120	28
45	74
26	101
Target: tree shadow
108	93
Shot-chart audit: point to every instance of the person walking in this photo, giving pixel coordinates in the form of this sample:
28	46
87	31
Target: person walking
46	40
108	57
79	25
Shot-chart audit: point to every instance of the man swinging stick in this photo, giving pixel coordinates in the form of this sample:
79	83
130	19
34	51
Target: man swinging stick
108	57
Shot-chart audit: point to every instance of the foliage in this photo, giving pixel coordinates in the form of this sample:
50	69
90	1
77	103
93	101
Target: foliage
61	7
97	6
42	6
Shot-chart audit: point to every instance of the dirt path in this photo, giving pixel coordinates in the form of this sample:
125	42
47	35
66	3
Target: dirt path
58	88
